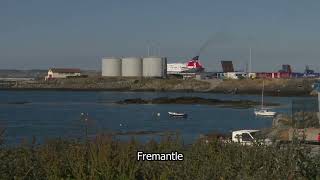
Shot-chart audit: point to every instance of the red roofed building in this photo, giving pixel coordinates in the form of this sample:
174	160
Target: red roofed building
58	73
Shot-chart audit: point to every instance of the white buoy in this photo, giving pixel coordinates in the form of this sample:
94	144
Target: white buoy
158	114
120	124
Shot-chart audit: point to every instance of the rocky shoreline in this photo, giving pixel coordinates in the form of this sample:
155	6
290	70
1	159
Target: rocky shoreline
273	87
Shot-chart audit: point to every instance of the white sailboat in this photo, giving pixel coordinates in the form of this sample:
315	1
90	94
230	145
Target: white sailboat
263	111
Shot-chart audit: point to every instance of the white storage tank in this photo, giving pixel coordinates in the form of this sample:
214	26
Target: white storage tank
111	67
131	67
154	66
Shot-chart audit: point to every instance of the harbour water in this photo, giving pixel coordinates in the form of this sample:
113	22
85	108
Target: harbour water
53	114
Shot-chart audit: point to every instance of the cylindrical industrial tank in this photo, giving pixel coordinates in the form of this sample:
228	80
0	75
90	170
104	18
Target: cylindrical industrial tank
153	66
111	67
131	67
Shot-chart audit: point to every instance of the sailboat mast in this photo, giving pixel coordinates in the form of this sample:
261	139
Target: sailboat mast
250	62
262	94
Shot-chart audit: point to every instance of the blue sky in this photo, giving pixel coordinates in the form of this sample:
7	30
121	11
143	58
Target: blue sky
77	33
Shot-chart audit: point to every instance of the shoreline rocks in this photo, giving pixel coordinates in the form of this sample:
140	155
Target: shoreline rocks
273	87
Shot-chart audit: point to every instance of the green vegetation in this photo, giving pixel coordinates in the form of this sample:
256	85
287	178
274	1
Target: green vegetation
106	158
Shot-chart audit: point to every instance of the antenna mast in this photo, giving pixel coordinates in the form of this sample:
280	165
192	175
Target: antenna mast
250	61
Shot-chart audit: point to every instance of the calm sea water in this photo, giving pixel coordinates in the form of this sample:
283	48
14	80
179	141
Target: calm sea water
52	114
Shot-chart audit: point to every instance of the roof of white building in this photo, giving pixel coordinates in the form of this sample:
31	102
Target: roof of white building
65	70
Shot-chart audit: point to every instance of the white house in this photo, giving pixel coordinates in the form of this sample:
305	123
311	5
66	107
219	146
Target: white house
58	73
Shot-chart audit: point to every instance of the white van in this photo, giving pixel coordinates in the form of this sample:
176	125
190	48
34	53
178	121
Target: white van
248	137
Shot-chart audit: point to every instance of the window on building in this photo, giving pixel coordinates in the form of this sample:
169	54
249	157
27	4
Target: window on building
246	137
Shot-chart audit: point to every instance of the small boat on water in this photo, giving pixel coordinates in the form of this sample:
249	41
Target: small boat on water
263	111
177	114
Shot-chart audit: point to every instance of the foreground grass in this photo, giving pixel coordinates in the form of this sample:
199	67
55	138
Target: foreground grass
106	158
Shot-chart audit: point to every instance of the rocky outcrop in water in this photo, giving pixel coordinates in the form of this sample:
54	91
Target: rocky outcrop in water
196	100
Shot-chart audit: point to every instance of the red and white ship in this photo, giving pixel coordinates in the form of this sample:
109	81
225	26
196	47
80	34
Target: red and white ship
194	65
